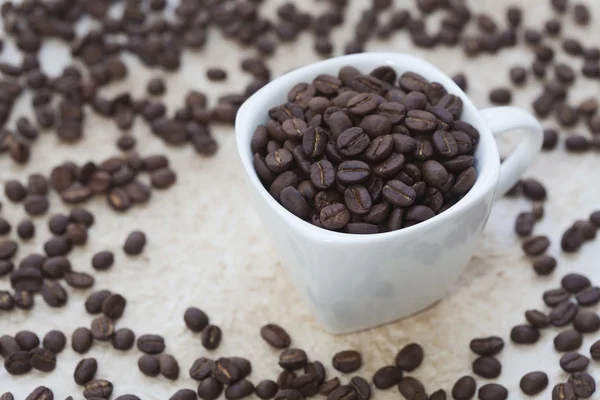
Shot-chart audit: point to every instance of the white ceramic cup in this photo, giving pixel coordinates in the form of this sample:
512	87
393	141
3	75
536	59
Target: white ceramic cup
352	282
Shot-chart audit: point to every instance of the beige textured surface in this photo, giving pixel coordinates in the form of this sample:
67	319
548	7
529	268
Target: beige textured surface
206	247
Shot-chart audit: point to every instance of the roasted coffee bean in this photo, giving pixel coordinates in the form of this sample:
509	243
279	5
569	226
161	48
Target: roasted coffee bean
210	389
5	226
535	245
6	267
533	189
329	386
322	174
588	229
163	178
568	340
102	328
123	339
135	243
379	149
574	362
434	173
26	229
151	344
500	96
195	319
524	224
54	341
57	246
544	265
563	391
537	318
40	392
410	357
36	205
113	306
93	303
54	294
571	240
292	359
98	388
347	361
524	334
201	369
445	144
7	301
294	202
583	384
342	392
554	297
563	313
586	321
306	384
17	363
27	340
266	389
415	101
550	139
85	370
169	368
352	142
8	345
582	14
226	371
79	280
487	367
103	260
492	391
533	383
239	390
243	365
488	346
398	193
595	351
27	279
289	394
464	388
387	377
314	141
285	379
394	112
412	388
420	122
357	199
181	394
211	337
276	336
574	283
589	296
361	387
82	340
334	216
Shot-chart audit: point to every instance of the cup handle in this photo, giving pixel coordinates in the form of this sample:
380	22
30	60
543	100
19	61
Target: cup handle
504	119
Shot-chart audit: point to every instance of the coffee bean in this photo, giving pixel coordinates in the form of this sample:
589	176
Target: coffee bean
563	391
6	267
226	371
533	189
289	394
589	296
266	389
195	319
568	340
416	101
239	390
43	360
398	193
169	368
500	96
102	328
342	392
322	174
524	224
81	340
276	336
54	294
210	389
98	388
8	345
534	383
464	388
40	393
26	229
36	205
14	191
57	246
524	334
347	361
588	230
314	141
535	245
211	337
352	142
27	340
8	249
58	224
595	218
149	365
487	367
412	388
27	279
17	363
329	386
492	391
574	362
135	243
574	283
361	387
410	357
151	344
577	143
586	321
434	173
85	370
571	240
54	341
294	202
488	346
79	280
583	384
554	297
595	350
183	394
334	216
113	306
285	379
7	301
563	314
550	139
387	377
123	339
103	260
420	122
292	359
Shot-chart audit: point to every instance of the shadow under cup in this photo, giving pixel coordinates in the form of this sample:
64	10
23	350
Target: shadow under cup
352	282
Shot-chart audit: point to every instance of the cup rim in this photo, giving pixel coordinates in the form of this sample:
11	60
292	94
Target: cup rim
488	161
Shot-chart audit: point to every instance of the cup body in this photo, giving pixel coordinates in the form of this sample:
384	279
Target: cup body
353	282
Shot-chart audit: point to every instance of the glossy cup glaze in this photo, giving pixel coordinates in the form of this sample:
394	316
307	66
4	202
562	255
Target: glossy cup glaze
353	282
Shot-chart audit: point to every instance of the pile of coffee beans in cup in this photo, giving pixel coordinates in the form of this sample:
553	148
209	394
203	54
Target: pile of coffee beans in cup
366	153
382	123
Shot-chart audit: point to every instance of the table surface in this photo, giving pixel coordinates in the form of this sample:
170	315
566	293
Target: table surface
206	247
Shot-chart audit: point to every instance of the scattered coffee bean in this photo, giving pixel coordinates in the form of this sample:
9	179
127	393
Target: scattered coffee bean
113	306
487	367
571	240
26	229
151	344
411	388
537	318
195	319
276	336
500	96
123	339
586	321
583	384
563	391
211	337
135	243
589	296
492	391
149	365
266	389
85	370
54	341
464	388
524	334
98	388
574	362
347	361
169	367
293	359
563	313
574	283
103	260
489	346
387	376
27	340
184	394
18	363
82	340
210	389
